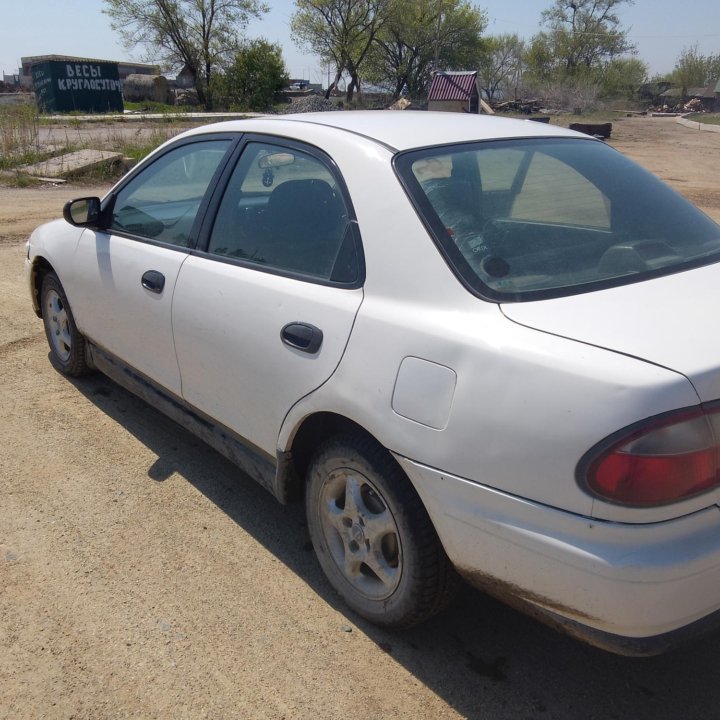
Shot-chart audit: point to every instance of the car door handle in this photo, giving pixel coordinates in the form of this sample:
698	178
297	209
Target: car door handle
153	281
302	336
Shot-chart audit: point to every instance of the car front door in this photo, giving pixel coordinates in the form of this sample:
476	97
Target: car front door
262	317
126	273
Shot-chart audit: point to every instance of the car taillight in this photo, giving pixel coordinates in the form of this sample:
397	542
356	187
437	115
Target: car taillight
669	460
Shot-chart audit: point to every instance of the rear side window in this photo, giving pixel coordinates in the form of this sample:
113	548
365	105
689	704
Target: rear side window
526	219
284	211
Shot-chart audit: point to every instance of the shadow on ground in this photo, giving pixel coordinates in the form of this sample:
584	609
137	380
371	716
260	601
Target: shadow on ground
481	657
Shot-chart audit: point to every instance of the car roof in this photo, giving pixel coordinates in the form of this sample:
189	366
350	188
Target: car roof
402	130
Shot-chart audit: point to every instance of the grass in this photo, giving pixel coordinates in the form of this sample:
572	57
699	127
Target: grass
156	108
20	180
564	119
22	130
143	141
19	135
596	116
706	118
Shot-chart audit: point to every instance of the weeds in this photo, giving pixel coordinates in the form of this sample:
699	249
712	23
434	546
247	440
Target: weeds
20	180
141	143
156	108
19	135
25	139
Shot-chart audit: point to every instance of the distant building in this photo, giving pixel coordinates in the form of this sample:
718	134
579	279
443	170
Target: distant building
11	81
454	92
184	80
89	86
708	95
651	91
124	68
671	96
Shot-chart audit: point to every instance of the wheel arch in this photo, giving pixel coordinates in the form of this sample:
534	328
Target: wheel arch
308	435
40	268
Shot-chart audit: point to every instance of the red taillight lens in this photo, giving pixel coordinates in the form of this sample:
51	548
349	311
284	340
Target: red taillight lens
665	462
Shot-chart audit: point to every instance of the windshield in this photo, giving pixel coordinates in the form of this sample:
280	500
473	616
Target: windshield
526	219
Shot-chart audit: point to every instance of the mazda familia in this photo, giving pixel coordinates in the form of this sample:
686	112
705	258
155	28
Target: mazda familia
478	348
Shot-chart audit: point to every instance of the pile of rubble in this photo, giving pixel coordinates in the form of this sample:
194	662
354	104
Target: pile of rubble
311	103
526	107
694	105
401	104
665	109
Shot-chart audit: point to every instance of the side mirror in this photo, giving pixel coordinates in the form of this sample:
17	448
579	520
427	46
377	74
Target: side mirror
83	212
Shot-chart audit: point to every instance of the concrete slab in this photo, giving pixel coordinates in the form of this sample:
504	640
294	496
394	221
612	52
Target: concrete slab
702	127
71	163
136	116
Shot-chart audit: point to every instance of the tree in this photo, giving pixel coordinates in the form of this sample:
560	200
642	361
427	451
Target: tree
622	78
582	36
255	75
693	69
500	68
540	60
197	34
422	35
341	32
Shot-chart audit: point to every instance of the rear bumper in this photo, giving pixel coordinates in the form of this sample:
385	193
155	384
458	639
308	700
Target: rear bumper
631	588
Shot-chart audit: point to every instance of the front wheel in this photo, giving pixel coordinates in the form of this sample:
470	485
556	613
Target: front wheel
373	537
67	345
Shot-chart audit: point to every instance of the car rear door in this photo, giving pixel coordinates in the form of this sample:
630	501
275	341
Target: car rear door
262	316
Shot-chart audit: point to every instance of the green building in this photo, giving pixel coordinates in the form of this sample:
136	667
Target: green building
77	85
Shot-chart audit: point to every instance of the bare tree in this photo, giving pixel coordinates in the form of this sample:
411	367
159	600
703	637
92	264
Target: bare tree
341	32
197	34
420	36
500	68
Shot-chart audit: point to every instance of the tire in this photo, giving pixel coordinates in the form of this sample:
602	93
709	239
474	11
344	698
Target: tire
67	345
373	537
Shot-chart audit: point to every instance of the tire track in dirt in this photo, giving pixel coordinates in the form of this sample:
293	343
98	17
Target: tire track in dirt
20	344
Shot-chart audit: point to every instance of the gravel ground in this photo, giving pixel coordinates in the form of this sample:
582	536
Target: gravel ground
142	576
313	103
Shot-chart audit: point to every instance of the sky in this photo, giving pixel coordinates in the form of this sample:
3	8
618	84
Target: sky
659	28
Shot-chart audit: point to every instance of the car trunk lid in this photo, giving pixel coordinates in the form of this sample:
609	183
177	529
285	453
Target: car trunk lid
672	321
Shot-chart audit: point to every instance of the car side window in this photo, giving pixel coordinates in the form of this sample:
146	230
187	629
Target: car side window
553	192
499	168
283	210
161	203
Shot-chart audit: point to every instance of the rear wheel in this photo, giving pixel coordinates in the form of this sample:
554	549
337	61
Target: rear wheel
373	537
67	345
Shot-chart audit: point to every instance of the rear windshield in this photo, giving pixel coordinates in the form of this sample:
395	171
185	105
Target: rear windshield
527	219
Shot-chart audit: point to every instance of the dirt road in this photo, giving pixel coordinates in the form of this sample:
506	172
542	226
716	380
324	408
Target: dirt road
684	158
141	576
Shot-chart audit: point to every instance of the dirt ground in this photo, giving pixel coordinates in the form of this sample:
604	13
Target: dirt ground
686	159
142	576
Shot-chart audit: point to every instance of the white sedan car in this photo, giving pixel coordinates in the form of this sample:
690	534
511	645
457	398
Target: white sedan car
477	347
